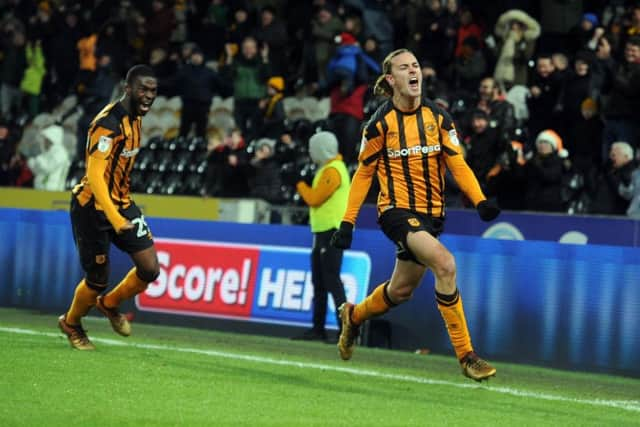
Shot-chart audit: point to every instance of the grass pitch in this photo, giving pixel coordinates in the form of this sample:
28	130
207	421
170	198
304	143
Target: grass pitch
185	377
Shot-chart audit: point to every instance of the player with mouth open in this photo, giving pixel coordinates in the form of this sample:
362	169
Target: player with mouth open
408	143
102	211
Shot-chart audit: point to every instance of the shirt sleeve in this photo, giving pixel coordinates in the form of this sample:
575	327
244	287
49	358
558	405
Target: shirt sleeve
327	185
101	142
455	162
370	151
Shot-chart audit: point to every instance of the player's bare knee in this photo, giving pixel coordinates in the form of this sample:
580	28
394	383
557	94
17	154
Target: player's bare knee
445	268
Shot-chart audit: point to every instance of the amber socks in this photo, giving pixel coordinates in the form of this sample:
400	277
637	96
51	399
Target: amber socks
130	286
83	299
452	312
375	304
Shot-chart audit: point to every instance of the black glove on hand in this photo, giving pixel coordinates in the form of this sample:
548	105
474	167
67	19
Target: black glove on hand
342	237
487	210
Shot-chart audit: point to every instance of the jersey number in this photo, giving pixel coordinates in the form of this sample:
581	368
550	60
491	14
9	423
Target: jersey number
143	228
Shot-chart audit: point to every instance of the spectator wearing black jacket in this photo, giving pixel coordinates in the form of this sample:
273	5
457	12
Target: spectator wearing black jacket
196	85
621	108
544	172
501	112
265	182
545	91
607	187
483	147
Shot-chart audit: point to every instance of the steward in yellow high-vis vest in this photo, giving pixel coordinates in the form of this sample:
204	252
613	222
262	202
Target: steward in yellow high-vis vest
327	200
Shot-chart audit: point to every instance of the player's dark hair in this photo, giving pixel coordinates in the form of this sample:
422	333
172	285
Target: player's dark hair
382	86
139	70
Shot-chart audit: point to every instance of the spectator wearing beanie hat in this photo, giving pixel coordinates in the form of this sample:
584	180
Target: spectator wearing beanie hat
584	138
349	66
272	108
544	173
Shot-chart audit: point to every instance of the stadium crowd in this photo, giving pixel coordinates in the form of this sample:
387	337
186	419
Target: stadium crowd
548	110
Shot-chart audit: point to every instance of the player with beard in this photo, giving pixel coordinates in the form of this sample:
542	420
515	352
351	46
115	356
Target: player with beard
408	143
103	212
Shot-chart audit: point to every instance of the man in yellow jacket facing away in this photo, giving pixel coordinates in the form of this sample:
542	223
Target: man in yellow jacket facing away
327	200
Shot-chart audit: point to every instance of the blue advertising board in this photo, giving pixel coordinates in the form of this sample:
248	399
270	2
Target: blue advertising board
573	306
574	229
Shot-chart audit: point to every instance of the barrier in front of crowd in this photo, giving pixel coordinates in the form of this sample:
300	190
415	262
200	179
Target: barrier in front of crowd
571	306
563	228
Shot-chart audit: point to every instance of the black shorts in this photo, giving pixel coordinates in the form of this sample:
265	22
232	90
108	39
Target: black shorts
93	233
397	223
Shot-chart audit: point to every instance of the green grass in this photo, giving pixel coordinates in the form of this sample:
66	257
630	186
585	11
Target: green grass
187	377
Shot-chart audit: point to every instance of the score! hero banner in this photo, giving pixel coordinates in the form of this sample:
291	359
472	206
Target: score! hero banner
260	283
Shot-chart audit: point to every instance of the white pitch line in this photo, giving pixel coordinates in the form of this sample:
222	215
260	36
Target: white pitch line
629	405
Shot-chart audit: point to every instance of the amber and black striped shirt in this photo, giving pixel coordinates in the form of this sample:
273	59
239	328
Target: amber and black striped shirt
114	136
409	153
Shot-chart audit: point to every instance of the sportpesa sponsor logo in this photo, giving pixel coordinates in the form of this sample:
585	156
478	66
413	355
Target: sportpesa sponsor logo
412	151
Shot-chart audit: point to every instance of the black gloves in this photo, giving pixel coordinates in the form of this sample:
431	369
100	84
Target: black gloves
487	210
342	237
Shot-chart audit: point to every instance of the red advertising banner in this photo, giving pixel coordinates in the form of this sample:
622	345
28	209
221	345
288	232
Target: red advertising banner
203	279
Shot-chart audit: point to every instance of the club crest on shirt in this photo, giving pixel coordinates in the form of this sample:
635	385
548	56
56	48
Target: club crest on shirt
104	143
453	137
413	222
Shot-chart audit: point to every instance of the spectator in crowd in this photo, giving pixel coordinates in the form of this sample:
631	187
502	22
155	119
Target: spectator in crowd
272	32
517	32
371	48
239	29
197	84
631	192
507	180
249	72
96	94
227	161
608	186
350	66
265	182
584	139
349	73
327	201
432	33
621	109
165	69
432	86
13	166
87	59
14	62
31	84
51	166
560	63
483	147
272	107
544	172
325	27
469	66
583	33
468	28
544	96
158	26
63	66
501	113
